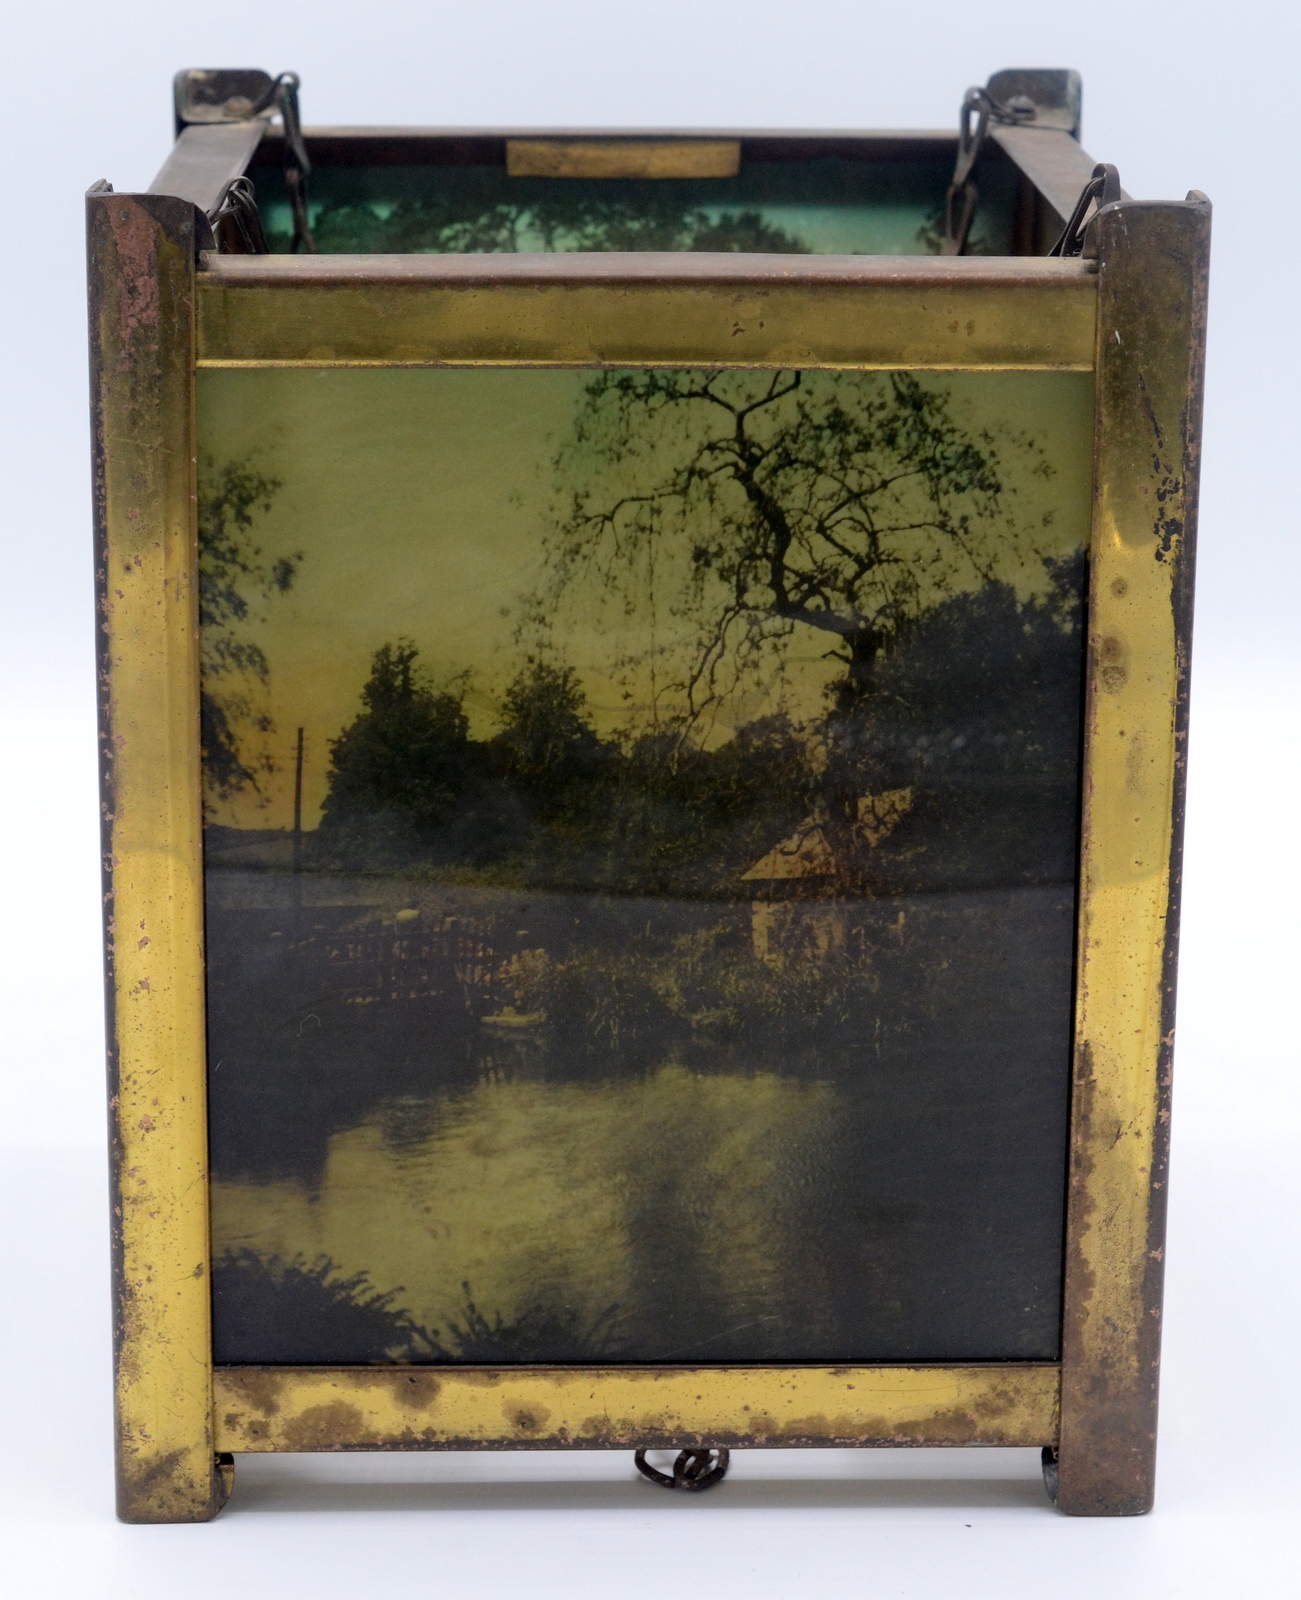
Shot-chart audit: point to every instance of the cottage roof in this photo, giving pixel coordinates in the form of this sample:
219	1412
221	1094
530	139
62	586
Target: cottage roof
808	852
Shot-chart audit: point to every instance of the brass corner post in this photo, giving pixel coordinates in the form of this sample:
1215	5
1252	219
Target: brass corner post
141	253
1152	266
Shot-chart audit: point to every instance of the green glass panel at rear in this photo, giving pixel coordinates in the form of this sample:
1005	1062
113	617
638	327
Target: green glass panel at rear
830	205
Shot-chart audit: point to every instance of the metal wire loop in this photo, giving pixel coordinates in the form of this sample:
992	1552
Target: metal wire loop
239	209
1101	190
283	95
694	1470
979	109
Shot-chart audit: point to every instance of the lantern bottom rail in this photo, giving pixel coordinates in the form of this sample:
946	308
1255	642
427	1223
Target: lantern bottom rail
540	1408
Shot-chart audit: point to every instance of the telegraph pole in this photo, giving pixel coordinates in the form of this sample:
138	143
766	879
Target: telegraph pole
298	805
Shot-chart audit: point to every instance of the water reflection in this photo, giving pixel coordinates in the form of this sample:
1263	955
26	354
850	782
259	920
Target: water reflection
396	1179
678	1203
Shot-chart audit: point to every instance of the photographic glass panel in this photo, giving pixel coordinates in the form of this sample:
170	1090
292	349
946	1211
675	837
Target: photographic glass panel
641	814
827	205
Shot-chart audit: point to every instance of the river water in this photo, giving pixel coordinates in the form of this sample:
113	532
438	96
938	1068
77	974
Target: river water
896	1196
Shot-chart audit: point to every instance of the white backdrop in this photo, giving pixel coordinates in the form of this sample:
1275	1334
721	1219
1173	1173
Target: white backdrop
1179	94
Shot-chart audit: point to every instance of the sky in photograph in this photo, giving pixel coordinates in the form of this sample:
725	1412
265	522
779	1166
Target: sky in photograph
421	498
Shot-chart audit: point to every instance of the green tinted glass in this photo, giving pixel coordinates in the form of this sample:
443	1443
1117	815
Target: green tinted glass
829	205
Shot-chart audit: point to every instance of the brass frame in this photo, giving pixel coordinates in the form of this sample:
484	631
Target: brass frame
541	1408
1136	318
623	158
1153	262
141	264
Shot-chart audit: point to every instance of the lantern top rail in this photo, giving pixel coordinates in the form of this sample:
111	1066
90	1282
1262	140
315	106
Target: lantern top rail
587	131
627	267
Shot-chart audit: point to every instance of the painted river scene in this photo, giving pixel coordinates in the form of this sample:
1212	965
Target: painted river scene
640	850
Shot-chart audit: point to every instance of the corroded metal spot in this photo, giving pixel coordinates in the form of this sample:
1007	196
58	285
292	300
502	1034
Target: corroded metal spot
321	1426
1112	664
528	1419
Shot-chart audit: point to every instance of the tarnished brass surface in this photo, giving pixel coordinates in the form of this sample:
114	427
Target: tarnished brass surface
420	1408
1053	161
141	253
1152	299
887	139
648	310
623	158
1148	304
204	159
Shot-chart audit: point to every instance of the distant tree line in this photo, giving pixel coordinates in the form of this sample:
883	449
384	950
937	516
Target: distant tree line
474	217
545	797
976	705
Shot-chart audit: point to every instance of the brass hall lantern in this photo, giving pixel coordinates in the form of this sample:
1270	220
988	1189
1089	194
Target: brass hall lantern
644	680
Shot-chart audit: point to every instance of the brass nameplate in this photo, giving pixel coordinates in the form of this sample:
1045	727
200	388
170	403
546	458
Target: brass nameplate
623	158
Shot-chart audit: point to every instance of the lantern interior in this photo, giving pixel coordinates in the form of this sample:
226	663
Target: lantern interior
456	196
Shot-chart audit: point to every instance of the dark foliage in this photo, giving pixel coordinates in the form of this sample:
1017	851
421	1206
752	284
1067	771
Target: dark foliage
269	1310
975	708
816	508
683	819
234	576
562	217
542	1333
659	990
811	504
407	757
983	692
549	753
546	801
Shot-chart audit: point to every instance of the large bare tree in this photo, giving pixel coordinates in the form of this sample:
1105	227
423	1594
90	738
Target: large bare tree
840	506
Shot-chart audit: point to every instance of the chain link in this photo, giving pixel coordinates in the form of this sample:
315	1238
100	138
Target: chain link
979	109
694	1470
283	94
